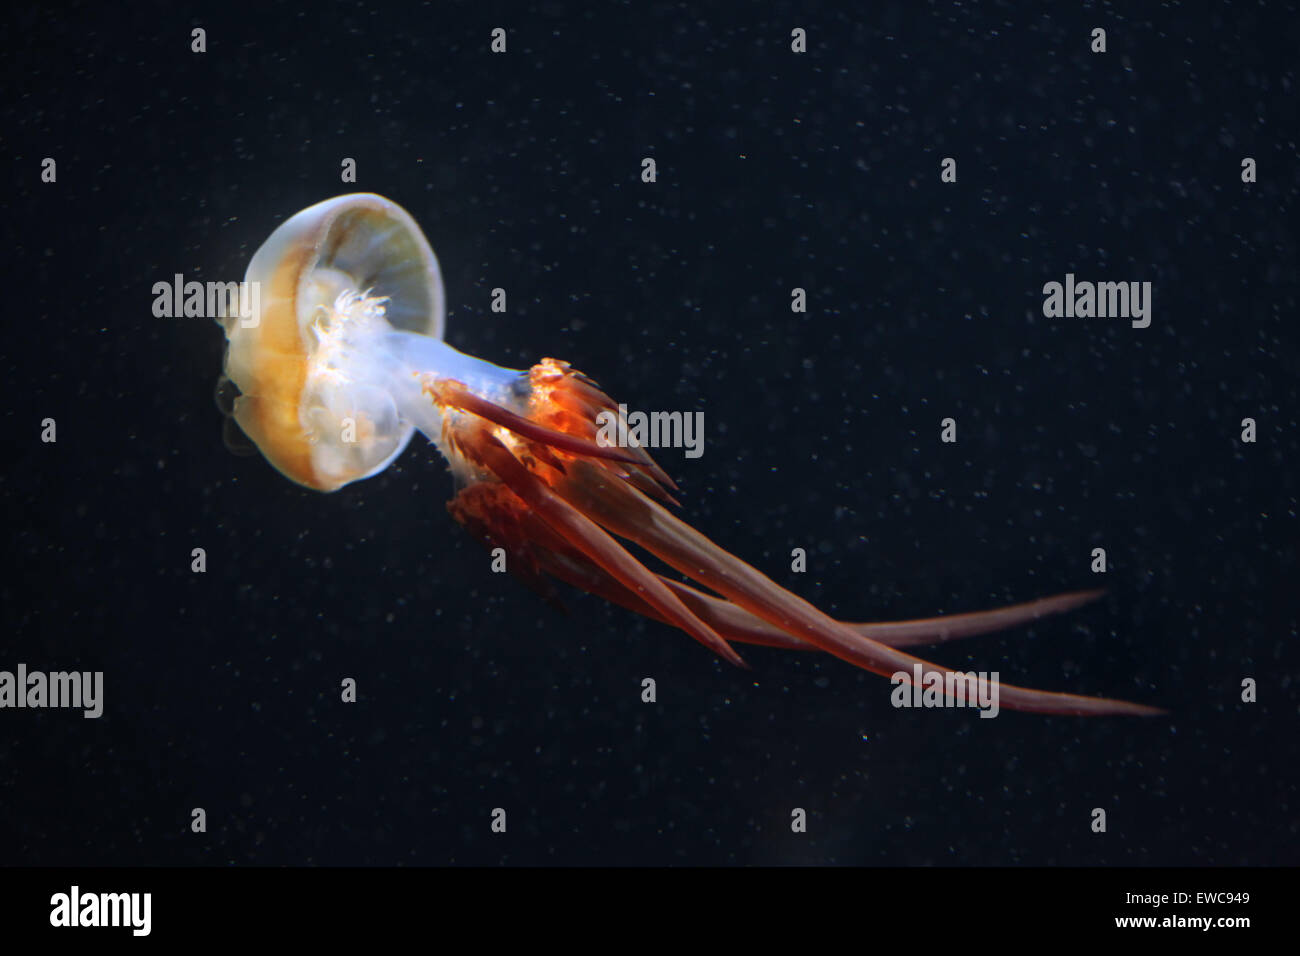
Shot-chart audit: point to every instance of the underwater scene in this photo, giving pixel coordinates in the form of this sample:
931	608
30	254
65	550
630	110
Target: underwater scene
570	434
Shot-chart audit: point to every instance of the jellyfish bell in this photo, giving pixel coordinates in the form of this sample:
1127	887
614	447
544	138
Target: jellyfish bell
295	404
350	297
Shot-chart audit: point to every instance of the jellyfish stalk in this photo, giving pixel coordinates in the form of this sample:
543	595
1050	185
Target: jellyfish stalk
347	361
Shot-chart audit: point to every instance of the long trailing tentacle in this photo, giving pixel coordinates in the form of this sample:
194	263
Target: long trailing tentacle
581	498
738	625
683	548
741	626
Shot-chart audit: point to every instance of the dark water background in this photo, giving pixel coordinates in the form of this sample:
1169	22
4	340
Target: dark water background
775	171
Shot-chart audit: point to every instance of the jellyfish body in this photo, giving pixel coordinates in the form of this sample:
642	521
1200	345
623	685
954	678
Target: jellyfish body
351	297
346	361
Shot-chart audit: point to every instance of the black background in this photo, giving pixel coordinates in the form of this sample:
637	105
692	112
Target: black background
775	170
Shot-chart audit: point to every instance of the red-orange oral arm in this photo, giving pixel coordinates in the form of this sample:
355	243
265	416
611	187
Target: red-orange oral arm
680	546
570	500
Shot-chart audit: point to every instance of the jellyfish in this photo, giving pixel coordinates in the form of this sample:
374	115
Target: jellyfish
344	362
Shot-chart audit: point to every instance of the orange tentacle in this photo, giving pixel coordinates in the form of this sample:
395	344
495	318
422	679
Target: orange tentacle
629	515
580	496
951	627
447	392
741	626
585	535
